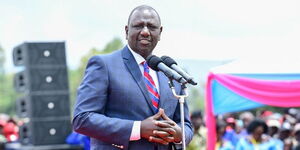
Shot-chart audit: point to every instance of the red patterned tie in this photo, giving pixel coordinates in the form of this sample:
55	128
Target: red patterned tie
153	93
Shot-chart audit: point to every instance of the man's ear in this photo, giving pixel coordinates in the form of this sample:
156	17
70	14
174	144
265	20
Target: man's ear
161	28
126	31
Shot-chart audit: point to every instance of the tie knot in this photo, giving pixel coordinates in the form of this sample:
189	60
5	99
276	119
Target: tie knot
146	67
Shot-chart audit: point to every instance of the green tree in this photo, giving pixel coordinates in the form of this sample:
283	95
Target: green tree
9	96
195	99
75	76
2	79
7	93
2	60
113	45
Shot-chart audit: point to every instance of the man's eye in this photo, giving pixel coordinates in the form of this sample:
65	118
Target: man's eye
138	26
152	27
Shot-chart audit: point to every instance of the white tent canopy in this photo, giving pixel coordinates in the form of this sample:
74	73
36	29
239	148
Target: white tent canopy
260	66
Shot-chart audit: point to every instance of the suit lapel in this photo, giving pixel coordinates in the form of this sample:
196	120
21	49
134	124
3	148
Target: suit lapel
134	70
167	99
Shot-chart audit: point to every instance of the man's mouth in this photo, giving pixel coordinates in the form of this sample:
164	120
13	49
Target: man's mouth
145	42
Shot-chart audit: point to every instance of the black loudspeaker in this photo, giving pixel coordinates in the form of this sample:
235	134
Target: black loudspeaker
43	105
45	131
31	54
42	78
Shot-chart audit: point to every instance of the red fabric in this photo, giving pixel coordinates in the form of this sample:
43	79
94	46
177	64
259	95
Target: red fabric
10	132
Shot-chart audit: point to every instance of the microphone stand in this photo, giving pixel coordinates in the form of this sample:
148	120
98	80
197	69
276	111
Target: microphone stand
180	97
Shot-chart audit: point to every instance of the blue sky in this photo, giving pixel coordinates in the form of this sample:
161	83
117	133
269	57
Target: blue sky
198	29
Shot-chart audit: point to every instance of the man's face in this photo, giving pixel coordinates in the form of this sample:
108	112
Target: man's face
197	122
143	31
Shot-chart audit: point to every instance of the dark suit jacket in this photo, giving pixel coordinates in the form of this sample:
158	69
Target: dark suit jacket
113	95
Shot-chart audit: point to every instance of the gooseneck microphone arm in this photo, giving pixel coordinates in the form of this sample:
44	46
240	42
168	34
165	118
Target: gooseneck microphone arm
181	97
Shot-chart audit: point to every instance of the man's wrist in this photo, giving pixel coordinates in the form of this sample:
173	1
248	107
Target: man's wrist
178	140
135	132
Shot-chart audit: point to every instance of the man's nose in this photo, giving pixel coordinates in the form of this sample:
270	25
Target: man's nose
145	31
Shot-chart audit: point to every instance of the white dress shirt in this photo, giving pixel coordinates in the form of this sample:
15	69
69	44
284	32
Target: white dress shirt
136	129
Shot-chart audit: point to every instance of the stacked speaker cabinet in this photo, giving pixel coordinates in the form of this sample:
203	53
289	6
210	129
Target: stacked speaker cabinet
43	84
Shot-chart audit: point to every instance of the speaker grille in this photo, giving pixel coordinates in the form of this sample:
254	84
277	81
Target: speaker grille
32	54
45	102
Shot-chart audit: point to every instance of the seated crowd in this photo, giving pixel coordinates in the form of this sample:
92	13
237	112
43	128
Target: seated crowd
266	130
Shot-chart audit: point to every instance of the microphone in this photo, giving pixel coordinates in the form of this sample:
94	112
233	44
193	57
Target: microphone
157	64
172	64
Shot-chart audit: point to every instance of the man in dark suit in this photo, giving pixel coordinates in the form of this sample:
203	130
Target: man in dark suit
114	105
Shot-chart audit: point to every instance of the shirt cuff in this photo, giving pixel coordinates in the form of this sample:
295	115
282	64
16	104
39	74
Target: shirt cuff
178	142
136	131
178	145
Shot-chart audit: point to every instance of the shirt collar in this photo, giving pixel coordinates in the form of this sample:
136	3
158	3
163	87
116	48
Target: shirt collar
138	58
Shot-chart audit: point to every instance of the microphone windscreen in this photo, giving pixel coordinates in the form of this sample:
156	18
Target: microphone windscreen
168	61
153	62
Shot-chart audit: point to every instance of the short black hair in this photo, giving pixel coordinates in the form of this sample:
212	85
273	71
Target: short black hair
140	8
256	123
197	114
220	124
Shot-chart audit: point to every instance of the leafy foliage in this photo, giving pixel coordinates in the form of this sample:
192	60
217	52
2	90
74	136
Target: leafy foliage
115	44
195	99
7	93
2	60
